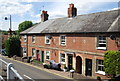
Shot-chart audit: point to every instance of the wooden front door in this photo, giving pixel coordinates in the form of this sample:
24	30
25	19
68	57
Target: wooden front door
79	64
70	58
42	56
88	67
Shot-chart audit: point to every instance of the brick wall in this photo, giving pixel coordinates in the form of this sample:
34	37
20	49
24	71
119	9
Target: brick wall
84	45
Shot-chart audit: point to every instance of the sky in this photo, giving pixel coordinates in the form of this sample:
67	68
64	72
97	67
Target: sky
30	10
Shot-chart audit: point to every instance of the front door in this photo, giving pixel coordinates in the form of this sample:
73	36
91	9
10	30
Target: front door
88	67
42	56
79	64
38	55
70	62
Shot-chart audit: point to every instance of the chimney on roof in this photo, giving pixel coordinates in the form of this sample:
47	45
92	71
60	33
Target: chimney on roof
44	16
72	11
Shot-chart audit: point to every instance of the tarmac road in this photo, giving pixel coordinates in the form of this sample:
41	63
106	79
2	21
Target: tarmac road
30	73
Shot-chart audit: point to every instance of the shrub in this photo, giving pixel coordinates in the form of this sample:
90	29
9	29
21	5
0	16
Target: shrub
13	46
112	63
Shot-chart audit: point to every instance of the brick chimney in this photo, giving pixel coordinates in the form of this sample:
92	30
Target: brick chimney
44	16
72	11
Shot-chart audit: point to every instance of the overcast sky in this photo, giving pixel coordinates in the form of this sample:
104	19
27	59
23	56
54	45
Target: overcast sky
30	10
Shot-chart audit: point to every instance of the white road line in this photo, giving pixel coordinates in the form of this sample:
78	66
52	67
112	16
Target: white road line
28	77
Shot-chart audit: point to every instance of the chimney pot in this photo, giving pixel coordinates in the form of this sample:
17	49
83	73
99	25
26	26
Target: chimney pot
72	11
71	5
44	16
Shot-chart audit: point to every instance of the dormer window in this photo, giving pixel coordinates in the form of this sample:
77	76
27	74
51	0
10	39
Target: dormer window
25	38
101	42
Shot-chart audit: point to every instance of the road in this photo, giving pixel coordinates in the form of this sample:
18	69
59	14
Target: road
33	74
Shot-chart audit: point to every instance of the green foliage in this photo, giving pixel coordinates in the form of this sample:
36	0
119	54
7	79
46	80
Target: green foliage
112	62
13	46
65	67
36	61
25	25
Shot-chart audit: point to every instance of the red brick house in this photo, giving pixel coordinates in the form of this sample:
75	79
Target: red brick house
78	42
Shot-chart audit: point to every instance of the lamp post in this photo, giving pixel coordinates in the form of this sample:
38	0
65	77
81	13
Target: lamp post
6	18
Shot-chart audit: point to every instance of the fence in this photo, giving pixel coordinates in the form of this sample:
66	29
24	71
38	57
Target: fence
12	74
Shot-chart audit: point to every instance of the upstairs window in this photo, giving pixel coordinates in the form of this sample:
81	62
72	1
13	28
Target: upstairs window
33	52
62	40
101	42
33	39
25	38
47	39
47	55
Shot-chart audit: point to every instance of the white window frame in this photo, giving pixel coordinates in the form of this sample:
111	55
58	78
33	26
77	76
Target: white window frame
24	51
47	38
47	55
62	43
102	41
33	52
99	65
25	38
33	38
63	62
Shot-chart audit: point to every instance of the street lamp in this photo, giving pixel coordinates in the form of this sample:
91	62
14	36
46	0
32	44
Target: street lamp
10	29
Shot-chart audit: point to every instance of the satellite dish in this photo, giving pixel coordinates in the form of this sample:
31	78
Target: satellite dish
112	37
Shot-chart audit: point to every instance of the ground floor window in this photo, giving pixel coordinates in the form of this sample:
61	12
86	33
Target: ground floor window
33	52
62	58
47	55
100	66
24	51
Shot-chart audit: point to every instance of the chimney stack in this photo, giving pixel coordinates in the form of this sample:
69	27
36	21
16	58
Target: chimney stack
44	16
72	11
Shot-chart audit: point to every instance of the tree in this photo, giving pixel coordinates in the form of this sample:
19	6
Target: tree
112	62
13	46
25	25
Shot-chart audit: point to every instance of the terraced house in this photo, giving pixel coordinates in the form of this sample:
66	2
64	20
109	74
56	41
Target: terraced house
77	41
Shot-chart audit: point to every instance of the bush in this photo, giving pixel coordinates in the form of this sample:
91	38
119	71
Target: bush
99	78
112	63
13	46
65	67
48	66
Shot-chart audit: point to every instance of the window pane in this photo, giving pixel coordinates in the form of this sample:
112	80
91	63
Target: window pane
102	45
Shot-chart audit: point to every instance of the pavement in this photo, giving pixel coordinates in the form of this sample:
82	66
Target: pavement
64	75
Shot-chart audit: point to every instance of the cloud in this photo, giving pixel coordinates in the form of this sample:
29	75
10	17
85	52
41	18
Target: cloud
8	7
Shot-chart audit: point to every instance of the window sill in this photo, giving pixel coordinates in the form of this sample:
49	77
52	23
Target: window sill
100	72
101	48
47	43
47	59
33	42
62	45
62	62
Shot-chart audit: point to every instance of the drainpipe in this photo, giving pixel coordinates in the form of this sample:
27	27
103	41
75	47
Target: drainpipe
27	44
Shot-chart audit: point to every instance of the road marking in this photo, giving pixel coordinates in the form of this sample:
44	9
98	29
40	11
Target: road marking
37	67
28	77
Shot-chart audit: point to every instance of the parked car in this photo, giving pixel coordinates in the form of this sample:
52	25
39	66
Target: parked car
55	65
2	52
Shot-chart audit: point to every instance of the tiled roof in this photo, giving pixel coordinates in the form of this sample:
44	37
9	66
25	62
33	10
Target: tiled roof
107	21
